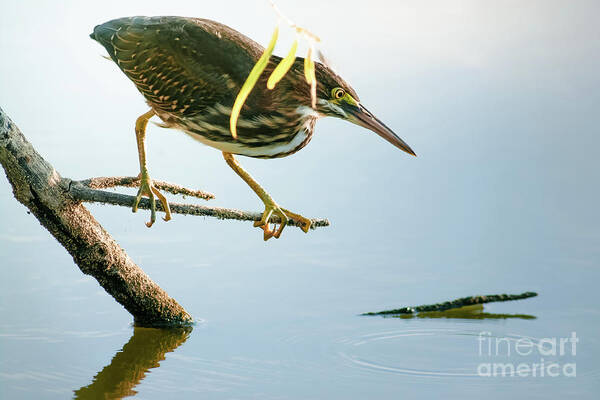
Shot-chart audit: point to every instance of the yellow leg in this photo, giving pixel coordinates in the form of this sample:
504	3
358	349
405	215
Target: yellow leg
270	206
147	188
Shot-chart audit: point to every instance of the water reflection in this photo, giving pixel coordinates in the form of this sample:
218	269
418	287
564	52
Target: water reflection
468	312
144	351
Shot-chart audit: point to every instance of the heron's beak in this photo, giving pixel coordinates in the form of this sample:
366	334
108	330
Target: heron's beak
363	117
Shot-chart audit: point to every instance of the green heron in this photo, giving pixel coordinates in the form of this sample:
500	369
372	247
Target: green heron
190	70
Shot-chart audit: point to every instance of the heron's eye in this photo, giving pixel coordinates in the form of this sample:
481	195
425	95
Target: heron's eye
338	93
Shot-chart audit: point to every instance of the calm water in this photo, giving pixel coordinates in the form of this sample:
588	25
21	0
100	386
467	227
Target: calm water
501	104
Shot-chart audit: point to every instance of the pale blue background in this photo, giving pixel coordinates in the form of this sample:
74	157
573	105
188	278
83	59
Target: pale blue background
500	100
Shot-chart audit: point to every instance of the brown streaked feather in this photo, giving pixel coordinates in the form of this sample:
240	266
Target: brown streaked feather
190	71
176	61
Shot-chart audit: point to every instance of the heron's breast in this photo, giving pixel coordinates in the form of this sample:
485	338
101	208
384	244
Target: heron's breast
257	149
259	136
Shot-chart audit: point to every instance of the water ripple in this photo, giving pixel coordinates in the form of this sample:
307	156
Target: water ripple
430	353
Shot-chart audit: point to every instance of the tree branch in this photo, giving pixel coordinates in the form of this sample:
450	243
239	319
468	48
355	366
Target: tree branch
134	181
38	186
85	191
56	203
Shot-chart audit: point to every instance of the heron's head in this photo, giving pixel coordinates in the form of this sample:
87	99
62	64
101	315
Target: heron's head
336	98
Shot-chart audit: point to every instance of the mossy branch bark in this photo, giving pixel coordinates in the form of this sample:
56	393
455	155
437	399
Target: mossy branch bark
85	191
38	186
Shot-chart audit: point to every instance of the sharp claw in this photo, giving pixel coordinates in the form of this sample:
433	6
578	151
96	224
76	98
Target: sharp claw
282	225
137	200
152	210
163	201
284	216
147	189
306	223
268	234
265	218
264	222
306	226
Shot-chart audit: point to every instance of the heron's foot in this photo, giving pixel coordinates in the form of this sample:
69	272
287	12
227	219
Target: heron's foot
284	218
148	189
305	222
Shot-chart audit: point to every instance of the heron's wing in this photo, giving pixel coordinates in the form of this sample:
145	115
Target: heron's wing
181	65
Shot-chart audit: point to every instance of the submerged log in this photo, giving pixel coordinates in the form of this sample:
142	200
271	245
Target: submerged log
458	303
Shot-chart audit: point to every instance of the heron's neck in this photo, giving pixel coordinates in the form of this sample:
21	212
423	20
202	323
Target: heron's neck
308	112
